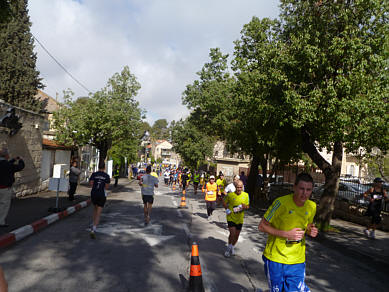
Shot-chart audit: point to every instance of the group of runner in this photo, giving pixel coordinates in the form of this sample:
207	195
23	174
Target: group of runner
287	221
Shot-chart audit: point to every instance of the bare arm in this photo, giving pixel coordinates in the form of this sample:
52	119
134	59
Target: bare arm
294	234
3	282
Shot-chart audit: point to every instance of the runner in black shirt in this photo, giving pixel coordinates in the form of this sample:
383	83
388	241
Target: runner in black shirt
375	194
184	180
99	181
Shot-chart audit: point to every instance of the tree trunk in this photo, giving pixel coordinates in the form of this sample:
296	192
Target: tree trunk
331	173
252	178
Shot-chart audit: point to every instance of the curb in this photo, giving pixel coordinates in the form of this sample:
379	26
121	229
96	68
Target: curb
22	232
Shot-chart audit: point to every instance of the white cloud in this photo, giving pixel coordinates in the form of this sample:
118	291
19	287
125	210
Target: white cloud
164	42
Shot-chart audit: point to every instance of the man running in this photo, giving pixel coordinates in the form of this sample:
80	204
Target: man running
231	187
99	181
147	183
196	181
375	194
211	191
235	203
286	222
166	176
221	183
184	180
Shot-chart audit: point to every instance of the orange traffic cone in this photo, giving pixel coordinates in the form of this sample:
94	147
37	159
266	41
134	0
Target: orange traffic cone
174	187
183	203
184	192
196	278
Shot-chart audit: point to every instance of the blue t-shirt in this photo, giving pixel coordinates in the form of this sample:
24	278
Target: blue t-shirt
100	179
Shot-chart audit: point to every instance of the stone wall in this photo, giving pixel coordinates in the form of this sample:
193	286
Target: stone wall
27	143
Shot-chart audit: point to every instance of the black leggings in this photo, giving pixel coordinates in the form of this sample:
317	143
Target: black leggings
210	207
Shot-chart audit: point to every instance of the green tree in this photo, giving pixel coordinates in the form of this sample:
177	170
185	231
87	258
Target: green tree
160	130
336	67
19	79
110	117
192	145
5	11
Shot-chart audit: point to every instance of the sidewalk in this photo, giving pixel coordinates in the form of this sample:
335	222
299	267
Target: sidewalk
29	209
350	240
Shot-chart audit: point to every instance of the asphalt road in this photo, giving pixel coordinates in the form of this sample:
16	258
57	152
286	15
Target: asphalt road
126	256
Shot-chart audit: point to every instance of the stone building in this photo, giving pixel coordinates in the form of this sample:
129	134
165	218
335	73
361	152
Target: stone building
229	164
26	143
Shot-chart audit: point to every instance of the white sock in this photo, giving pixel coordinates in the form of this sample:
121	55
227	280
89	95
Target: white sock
94	228
230	246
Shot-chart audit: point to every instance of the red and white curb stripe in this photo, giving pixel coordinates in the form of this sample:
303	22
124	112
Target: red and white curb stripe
22	232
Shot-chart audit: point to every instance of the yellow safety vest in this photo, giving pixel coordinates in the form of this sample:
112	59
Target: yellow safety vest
211	192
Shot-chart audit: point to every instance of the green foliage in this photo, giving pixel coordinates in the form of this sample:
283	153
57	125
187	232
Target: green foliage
336	70
111	117
160	130
5	11
192	144
19	79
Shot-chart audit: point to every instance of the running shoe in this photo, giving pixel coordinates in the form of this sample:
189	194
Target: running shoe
366	232
372	234
227	254
233	251
92	235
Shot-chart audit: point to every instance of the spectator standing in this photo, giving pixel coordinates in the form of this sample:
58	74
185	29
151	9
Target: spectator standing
116	175
99	181
7	178
243	178
74	174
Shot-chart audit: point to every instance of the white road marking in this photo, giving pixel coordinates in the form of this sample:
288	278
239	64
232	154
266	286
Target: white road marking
152	234
179	213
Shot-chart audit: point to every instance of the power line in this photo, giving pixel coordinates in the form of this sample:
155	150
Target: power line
60	65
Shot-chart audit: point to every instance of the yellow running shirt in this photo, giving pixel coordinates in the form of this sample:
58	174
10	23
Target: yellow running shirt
222	184
284	214
233	200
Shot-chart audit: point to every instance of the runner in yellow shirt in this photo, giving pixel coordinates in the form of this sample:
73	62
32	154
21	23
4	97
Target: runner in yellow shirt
221	183
286	222
235	203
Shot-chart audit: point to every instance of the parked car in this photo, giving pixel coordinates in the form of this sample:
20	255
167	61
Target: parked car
141	172
349	192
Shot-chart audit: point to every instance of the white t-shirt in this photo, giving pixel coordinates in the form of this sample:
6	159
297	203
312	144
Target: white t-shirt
166	174
230	188
148	183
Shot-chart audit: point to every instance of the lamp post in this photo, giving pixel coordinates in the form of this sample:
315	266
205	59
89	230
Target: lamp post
145	137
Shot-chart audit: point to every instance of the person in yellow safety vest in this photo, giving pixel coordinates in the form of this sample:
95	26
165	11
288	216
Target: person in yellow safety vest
196	180
211	192
179	180
222	183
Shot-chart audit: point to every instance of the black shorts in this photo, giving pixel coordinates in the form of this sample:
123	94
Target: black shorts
148	199
98	200
232	224
195	184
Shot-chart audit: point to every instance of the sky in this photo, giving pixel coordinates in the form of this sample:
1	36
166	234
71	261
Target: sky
164	43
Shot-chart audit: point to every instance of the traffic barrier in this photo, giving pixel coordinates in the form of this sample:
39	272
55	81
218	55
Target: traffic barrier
196	278
183	203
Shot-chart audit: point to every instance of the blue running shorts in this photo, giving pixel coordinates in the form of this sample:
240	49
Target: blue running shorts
285	278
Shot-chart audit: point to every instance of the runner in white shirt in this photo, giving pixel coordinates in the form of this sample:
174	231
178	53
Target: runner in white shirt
231	187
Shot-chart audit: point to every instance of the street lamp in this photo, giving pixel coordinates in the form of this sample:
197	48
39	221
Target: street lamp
145	137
